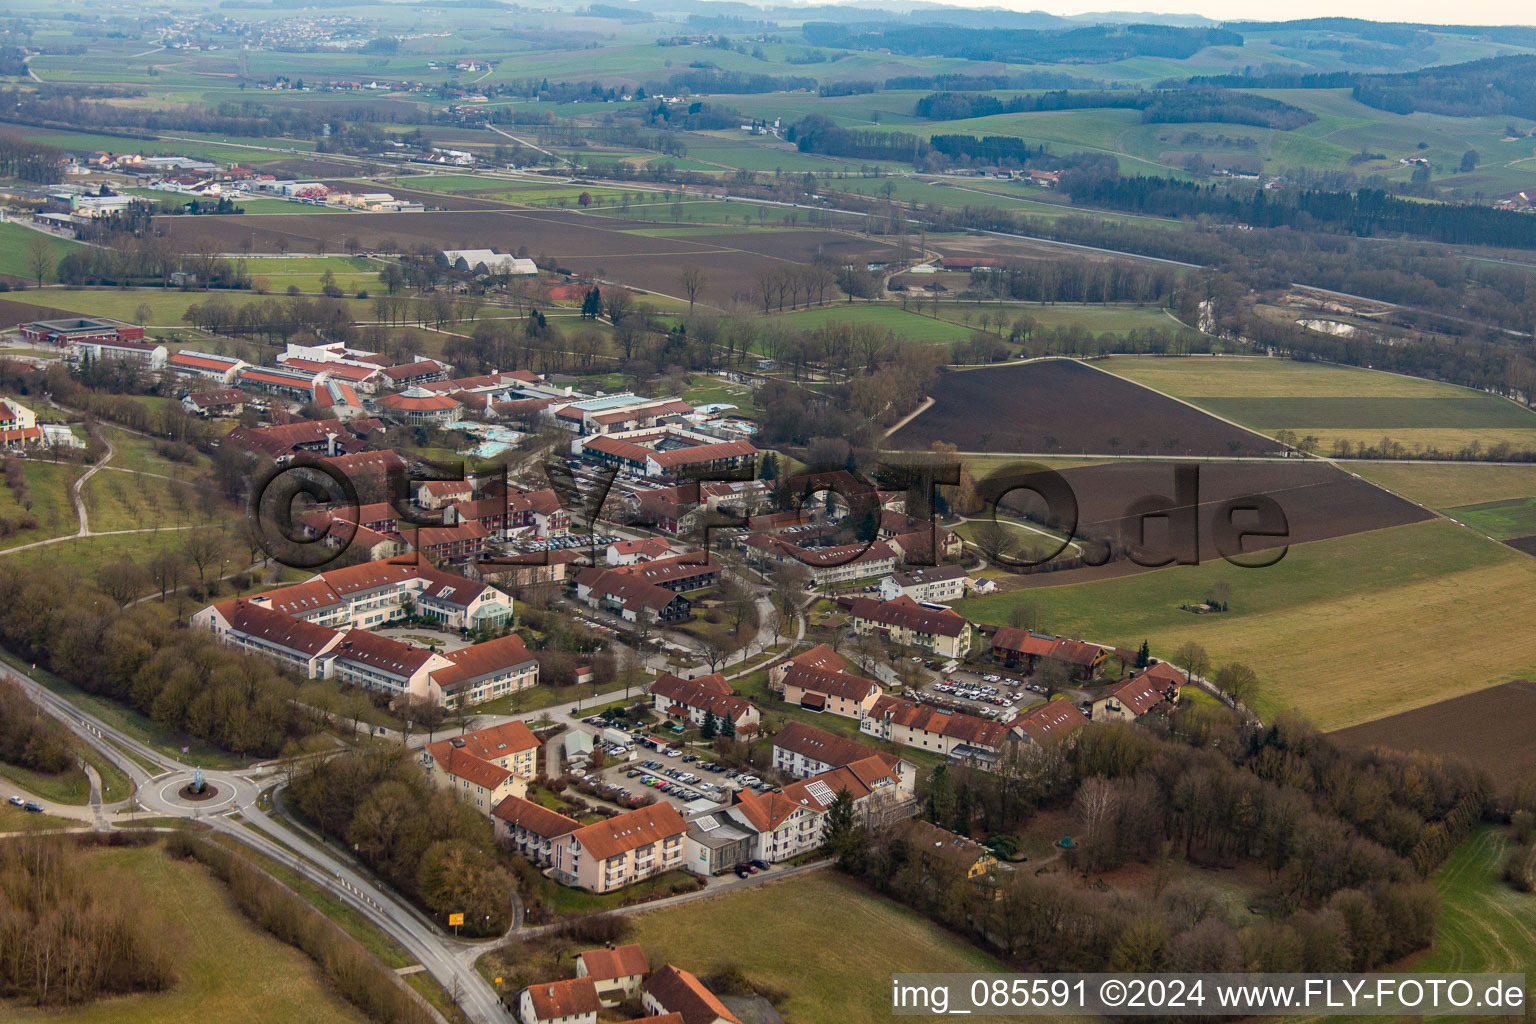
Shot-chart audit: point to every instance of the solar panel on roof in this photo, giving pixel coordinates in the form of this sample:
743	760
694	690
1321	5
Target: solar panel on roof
822	792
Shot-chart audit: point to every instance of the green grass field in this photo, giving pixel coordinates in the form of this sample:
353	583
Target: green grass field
770	931
228	970
1449	486
16	243
1502	520
1484	924
906	325
48	487
1336	629
71	786
1335	403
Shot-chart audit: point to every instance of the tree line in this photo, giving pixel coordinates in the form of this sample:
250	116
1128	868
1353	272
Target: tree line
64	937
357	974
1021	46
29	161
29	738
1365	212
1161	106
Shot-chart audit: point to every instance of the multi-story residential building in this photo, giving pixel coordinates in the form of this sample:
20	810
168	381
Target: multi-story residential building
793	822
622	850
629	597
223	402
903	621
485	672
1051	722
1151	689
673	990
573	1001
828	566
803	751
951	733
694	700
939	584
476	780
809	682
296	643
18	425
531	829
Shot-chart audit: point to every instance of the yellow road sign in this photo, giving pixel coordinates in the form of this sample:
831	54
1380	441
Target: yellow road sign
455	920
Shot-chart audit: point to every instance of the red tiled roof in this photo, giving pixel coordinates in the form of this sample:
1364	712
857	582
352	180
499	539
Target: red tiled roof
464	765
694	694
630	831
844	685
555	999
680	992
906	613
1050	721
382	653
820	745
276	627
413	403
536	818
624	961
978	732
410	371
225	396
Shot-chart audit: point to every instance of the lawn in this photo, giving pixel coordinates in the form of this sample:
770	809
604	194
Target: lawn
770	932
48	485
228	971
14	819
122	501
905	325
569	901
1449	486
16	252
1338	628
71	786
142	454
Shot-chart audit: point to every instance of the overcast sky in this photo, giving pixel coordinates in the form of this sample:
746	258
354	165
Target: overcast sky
1466	12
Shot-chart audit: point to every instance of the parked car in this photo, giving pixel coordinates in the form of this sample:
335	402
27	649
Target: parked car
33	806
761	865
741	871
17	801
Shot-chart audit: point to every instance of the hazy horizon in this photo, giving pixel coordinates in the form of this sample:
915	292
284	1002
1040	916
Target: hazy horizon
1475	12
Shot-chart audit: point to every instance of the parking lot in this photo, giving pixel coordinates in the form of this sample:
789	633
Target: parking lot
992	695
673	775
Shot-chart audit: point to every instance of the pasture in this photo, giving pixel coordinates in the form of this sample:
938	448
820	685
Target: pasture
904	324
1340	629
16	243
845	982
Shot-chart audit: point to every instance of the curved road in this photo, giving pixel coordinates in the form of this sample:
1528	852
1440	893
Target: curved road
159	794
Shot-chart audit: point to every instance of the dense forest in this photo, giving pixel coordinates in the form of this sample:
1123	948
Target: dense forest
1165	106
1344	841
183	679
1022	46
29	161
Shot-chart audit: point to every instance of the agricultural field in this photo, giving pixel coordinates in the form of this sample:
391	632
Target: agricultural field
1335	403
1484	924
1059	406
1337	628
585	245
1489	728
227	969
845	982
1440	486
